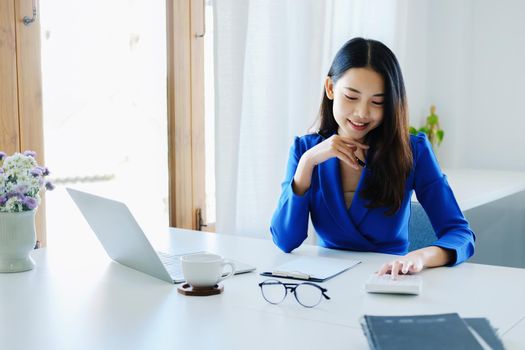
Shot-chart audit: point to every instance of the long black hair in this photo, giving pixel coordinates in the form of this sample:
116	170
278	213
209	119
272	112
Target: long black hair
390	158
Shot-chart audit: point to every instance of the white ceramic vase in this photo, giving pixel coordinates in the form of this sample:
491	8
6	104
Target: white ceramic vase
17	240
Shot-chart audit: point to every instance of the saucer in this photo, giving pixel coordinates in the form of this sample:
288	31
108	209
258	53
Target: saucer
186	289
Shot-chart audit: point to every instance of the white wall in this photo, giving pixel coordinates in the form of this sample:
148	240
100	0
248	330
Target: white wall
413	58
467	57
497	118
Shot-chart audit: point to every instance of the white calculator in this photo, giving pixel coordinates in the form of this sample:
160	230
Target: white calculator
403	284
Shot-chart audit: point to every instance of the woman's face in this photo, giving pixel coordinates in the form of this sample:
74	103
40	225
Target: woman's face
358	101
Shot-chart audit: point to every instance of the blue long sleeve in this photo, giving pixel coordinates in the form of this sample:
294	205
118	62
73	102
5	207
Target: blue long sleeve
289	225
435	195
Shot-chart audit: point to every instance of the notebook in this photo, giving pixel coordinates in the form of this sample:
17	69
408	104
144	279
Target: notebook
482	328
126	243
315	269
441	331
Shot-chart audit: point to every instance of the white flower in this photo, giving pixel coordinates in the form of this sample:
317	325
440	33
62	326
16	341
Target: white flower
13	204
21	180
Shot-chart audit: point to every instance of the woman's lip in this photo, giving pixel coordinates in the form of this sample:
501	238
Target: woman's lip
358	127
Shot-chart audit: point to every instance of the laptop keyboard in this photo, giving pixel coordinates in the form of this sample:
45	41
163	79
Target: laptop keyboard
172	264
174	267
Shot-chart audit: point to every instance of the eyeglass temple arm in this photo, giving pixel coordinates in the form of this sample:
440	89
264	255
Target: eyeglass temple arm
324	290
293	286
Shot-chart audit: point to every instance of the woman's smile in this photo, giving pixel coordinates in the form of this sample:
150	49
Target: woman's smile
357	125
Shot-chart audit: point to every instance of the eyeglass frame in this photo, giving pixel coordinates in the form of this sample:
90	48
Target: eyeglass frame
292	287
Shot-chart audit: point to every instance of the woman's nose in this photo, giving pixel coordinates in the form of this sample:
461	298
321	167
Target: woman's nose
361	110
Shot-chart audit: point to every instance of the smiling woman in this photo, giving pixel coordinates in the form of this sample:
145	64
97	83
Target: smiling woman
372	112
363	115
359	104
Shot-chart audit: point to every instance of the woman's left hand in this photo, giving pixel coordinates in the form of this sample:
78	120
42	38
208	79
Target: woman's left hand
408	264
417	260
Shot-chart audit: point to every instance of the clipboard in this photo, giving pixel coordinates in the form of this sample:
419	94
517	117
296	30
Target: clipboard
313	269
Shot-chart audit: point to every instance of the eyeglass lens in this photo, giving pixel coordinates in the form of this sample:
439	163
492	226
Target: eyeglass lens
273	291
307	294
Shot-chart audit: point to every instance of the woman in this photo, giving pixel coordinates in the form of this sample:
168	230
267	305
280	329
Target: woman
356	175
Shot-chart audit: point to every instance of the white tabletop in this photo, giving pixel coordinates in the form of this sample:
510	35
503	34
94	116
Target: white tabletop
77	298
475	187
514	336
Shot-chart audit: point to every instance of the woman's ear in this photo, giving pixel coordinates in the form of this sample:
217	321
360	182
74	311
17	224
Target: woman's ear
329	88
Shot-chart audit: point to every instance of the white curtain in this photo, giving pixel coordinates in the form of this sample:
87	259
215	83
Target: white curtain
271	58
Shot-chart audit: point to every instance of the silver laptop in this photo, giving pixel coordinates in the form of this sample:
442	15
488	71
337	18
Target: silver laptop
126	243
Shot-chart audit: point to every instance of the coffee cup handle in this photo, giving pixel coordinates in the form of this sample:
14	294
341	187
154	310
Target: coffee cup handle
231	265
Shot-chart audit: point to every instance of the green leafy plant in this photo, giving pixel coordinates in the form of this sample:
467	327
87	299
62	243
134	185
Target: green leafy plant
431	128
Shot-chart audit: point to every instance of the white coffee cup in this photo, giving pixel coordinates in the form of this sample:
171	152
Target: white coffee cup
205	270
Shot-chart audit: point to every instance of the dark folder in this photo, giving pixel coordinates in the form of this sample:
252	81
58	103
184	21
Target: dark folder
442	331
485	330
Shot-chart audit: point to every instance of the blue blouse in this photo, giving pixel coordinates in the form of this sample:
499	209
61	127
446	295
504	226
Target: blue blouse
368	229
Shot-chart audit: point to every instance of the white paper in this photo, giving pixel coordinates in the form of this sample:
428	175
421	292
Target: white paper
315	267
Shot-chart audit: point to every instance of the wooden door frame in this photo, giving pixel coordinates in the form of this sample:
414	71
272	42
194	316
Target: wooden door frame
9	124
21	116
186	159
21	88
30	110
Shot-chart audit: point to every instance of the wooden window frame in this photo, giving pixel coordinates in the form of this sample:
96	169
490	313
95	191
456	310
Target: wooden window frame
185	47
21	120
21	116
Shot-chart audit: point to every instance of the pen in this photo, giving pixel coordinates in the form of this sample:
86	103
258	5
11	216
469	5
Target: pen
293	274
360	162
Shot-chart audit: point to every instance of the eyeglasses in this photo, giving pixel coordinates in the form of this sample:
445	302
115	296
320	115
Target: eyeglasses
308	294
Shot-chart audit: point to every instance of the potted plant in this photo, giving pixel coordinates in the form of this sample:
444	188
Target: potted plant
21	180
431	128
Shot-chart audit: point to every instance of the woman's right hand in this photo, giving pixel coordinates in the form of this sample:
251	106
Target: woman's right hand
338	146
341	147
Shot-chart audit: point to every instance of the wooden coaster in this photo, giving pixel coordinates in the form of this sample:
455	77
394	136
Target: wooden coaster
186	289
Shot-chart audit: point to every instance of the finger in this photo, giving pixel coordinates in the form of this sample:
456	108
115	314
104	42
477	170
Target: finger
358	145
354	154
349	152
351	142
350	145
384	269
406	267
353	150
345	158
416	267
395	269
349	157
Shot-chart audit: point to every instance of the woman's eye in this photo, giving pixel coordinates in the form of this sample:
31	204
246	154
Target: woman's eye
377	103
351	98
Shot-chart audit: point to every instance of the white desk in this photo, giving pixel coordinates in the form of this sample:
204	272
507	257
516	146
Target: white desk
82	300
476	187
514	337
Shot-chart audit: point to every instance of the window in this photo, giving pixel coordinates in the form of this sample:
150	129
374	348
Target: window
105	105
